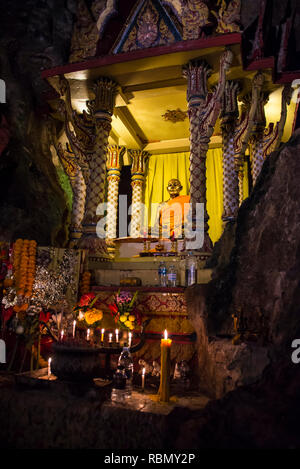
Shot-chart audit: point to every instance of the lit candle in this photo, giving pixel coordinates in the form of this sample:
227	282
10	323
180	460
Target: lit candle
88	334
143	378
110	337
62	334
164	388
129	339
102	335
74	328
49	367
117	335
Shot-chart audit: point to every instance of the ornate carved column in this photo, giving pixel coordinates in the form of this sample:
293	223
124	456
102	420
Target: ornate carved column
203	111
264	141
229	116
89	140
139	159
244	128
114	165
74	172
273	134
257	137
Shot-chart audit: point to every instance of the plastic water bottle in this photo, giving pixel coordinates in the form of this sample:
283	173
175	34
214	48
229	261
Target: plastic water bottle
172	276
118	393
162	274
126	361
191	269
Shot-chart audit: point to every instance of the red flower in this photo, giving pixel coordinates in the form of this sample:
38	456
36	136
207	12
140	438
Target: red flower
7	313
86	299
44	317
113	310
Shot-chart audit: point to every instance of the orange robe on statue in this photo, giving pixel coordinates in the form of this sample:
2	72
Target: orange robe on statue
172	213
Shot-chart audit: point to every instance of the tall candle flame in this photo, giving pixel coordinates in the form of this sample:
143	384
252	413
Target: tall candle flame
165	334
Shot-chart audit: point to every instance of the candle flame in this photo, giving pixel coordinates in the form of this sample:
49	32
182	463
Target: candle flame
166	334
102	331
49	360
144	371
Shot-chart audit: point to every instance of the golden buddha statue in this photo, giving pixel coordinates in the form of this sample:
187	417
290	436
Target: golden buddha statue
172	210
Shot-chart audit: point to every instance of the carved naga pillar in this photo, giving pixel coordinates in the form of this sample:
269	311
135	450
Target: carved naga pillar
273	134
257	138
244	128
203	111
101	109
74	173
89	141
114	166
139	159
229	116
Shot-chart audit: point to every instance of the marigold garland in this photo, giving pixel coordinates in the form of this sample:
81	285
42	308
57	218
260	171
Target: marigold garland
24	265
85	282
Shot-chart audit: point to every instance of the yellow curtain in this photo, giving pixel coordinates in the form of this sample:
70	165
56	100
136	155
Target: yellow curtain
214	192
162	168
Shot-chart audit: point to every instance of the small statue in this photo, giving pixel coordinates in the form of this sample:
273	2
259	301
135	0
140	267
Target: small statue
144	364
181	370
156	369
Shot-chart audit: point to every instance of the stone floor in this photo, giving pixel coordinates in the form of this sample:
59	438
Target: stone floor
66	417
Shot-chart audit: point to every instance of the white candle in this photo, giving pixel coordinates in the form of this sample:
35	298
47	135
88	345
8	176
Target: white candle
74	328
102	335
117	335
62	335
110	338
129	339
49	367
143	378
88	334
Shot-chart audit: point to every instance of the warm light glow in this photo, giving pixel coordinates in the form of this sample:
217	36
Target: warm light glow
110	338
74	328
166	334
117	335
144	371
62	335
88	334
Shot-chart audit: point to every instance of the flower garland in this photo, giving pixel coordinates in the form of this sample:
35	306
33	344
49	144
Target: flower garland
24	265
85	283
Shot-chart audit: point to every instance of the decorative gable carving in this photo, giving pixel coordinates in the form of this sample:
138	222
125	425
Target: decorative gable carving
149	26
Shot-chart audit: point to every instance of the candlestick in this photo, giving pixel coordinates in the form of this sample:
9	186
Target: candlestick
164	388
117	335
143	378
74	328
110	337
102	335
129	339
49	367
62	334
88	334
